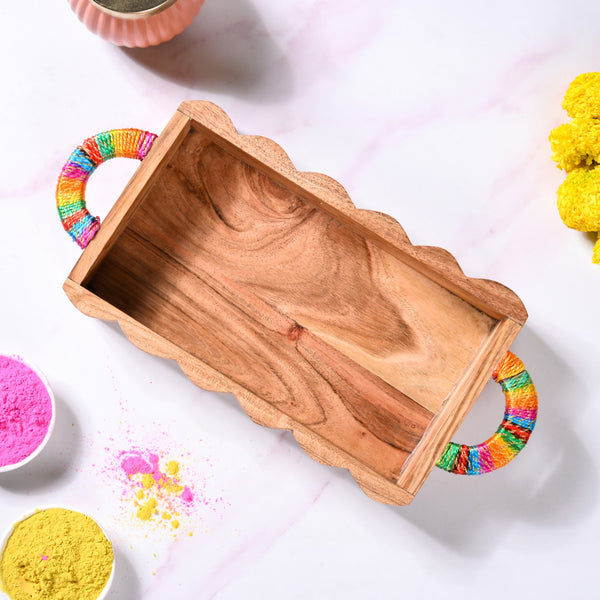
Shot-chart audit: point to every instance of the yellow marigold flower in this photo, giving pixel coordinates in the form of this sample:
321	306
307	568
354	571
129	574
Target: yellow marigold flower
576	144
596	254
576	149
579	199
582	99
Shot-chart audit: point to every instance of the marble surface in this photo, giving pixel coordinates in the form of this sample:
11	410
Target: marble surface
437	113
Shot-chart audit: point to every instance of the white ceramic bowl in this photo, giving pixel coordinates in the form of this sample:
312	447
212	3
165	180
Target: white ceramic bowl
43	379
6	537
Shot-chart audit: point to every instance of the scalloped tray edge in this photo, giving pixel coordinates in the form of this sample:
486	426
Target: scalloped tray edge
429	259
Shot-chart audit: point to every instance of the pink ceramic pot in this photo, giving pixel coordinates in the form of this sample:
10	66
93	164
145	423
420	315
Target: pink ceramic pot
136	23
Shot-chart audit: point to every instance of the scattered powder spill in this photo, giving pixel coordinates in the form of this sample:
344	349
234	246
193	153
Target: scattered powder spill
157	493
158	490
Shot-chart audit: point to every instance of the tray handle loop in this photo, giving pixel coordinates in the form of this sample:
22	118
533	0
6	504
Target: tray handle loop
70	190
519	420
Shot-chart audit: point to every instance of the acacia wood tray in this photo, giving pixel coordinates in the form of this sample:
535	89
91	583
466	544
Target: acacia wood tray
321	318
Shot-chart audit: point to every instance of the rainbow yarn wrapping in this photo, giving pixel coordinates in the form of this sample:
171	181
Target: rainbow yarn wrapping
514	431
70	190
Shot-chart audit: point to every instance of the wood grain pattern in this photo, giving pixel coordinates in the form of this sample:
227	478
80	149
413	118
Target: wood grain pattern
321	318
375	309
263	351
263	413
327	194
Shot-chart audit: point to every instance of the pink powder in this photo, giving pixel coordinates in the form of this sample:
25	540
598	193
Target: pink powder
25	411
154	460
133	465
187	495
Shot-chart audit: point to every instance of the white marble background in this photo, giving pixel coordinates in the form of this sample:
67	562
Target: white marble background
435	112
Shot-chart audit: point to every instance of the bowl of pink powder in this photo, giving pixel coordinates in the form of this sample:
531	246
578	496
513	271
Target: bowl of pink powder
27	412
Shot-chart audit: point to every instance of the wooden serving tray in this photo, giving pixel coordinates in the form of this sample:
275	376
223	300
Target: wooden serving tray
269	283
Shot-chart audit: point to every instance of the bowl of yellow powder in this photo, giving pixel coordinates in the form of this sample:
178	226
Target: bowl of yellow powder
56	553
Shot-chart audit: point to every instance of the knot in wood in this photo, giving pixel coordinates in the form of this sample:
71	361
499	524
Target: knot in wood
294	332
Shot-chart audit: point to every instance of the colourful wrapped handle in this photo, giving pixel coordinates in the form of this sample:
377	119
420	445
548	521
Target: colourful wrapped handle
70	191
514	431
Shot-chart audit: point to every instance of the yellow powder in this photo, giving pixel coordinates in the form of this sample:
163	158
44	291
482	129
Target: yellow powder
140	495
147	480
173	488
166	516
56	554
172	468
146	511
175	524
